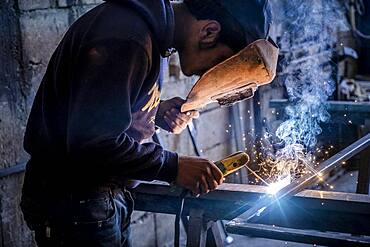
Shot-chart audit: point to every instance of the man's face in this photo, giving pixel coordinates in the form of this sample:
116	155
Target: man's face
199	49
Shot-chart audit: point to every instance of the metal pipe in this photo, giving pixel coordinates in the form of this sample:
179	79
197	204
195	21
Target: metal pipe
192	133
300	235
7	171
304	181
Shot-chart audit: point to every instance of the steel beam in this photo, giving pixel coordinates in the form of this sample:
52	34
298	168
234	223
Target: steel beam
356	111
302	236
309	209
333	106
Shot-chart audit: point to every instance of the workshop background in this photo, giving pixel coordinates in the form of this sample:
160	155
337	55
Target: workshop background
31	29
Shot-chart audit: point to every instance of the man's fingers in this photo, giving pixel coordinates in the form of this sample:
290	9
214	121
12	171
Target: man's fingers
169	122
176	120
212	184
204	185
175	127
192	114
217	174
178	101
196	189
187	116
175	115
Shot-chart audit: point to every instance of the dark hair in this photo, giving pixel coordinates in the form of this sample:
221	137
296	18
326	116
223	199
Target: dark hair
231	34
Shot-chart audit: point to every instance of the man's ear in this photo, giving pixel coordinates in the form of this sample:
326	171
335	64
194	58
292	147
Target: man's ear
209	34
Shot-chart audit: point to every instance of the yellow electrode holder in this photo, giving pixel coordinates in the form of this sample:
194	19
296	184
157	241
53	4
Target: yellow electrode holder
232	163
228	165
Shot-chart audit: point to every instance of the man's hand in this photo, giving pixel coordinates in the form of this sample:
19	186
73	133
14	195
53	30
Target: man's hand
198	175
170	118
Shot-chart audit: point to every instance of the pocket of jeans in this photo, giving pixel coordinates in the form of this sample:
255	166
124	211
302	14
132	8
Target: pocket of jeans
94	212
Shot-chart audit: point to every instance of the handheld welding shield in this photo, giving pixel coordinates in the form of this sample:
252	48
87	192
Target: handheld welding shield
238	77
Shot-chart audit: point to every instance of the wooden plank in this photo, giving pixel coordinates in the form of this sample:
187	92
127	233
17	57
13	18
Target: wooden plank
310	209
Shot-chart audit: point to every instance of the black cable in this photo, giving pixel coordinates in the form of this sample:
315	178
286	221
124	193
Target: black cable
193	141
182	196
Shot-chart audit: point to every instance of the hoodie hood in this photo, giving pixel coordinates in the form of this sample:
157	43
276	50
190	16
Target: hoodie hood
159	16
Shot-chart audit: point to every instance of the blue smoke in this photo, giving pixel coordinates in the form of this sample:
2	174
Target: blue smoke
311	27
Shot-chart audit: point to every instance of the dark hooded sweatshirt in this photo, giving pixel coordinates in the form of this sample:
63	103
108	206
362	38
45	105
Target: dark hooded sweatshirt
98	99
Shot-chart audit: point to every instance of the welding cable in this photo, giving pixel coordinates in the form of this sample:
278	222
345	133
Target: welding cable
184	192
178	217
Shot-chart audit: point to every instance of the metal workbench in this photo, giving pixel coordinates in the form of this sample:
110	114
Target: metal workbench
316	217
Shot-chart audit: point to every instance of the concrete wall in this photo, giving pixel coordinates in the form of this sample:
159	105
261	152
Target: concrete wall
29	32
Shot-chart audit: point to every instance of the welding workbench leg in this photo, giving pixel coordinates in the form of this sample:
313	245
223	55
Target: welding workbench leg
197	230
364	166
363	175
214	237
202	233
185	222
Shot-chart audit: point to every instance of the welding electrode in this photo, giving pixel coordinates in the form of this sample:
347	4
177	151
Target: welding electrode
228	165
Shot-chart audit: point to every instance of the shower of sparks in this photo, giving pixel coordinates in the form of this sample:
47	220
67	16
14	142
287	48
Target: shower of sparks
277	169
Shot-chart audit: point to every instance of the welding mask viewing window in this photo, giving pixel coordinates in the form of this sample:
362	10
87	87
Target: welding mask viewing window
244	27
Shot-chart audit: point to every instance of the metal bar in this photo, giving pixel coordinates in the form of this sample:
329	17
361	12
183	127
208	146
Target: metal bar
306	180
301	236
192	133
238	131
333	106
309	209
364	171
363	176
4	172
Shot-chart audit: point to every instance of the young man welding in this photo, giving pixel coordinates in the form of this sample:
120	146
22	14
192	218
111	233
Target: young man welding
100	98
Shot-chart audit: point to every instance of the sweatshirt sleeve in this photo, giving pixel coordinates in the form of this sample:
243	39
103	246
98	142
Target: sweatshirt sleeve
106	82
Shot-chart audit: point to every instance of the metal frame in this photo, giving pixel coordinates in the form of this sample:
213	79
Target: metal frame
303	236
266	205
306	180
309	217
323	211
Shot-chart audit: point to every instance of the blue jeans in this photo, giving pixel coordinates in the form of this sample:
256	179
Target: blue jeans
97	219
